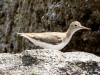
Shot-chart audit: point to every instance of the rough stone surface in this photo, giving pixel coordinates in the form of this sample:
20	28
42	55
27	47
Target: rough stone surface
49	62
49	15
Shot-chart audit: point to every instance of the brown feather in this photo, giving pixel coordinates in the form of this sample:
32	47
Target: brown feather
48	37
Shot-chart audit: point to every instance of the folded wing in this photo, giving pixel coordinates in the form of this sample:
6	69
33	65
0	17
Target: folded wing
51	38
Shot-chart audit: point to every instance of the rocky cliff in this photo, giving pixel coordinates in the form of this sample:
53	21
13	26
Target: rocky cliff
49	16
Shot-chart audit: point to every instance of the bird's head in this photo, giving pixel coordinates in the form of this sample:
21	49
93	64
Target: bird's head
75	26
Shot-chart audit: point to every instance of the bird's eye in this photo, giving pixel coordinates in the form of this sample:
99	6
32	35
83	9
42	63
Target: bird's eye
75	25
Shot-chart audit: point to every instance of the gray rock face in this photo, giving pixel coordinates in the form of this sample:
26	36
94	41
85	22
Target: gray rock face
49	62
48	15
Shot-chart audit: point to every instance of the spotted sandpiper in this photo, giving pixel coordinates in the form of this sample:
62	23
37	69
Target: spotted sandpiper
54	40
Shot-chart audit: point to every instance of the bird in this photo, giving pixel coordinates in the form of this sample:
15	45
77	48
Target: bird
54	40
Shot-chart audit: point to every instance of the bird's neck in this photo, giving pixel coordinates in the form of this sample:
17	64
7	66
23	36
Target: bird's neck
69	34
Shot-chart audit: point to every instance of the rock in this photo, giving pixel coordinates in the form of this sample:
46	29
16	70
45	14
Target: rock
46	15
49	62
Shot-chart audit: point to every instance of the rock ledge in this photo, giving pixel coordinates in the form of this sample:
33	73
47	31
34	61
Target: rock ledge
49	62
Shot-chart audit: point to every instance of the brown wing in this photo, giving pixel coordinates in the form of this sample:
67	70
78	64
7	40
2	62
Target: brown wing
52	38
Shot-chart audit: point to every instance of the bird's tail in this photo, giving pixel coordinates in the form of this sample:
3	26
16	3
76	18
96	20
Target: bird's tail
19	34
22	34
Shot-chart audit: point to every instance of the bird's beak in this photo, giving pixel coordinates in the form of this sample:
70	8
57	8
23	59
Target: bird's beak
82	27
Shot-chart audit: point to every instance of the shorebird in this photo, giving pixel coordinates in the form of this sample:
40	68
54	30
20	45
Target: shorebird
54	40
